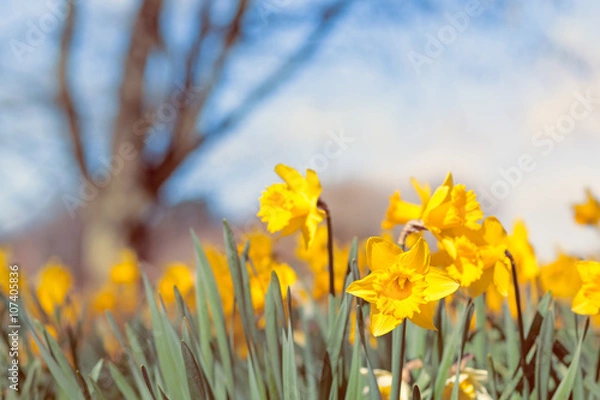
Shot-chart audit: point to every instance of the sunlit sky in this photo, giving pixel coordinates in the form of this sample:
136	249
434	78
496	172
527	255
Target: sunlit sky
491	96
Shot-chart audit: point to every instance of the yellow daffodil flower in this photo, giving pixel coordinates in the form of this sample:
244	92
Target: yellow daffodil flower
588	213
176	274
587	299
126	271
470	385
55	282
559	277
263	263
401	285
318	261
477	257
523	253
292	206
450	206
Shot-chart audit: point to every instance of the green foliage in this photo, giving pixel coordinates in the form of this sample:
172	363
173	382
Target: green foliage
298	352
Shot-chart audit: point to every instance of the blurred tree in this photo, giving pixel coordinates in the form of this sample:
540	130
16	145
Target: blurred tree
118	208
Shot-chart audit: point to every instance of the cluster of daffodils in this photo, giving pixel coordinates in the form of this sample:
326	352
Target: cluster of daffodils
429	257
473	252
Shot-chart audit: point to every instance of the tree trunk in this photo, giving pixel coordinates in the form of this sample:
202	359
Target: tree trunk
114	219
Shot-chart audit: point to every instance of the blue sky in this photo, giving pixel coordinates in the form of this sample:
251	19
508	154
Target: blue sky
475	109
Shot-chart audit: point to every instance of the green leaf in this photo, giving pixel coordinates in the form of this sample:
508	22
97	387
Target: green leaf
355	383
566	385
207	291
199	386
124	387
480	338
64	377
450	348
543	355
241	285
273	308
168	349
290	378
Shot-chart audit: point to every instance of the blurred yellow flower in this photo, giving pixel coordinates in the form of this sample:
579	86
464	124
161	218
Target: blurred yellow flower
292	206
470	385
105	299
450	206
54	283
318	260
262	263
588	213
4	270
218	263
587	299
559	277
401	285
523	253
176	274
316	255
126	271
384	382
477	257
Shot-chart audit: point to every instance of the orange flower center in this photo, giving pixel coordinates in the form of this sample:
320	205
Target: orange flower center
398	288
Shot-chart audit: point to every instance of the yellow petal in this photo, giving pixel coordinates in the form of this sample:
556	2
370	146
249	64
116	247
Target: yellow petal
400	212
309	230
440	284
313	185
363	288
482	284
424	319
418	257
424	191
448	181
495	233
381	253
382	323
588	270
583	306
291	177
502	278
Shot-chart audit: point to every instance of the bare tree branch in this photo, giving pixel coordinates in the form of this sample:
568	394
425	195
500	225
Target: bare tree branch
144	38
185	125
65	98
289	67
309	47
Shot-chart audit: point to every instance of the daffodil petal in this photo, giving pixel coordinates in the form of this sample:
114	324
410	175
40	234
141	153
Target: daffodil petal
482	284
381	253
382	323
291	177
418	257
440	284
502	278
363	288
424	318
583	306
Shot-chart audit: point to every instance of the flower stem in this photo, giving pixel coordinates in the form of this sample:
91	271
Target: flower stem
398	340
598	368
513	269
323	206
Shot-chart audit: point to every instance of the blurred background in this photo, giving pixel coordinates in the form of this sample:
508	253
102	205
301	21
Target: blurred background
126	123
